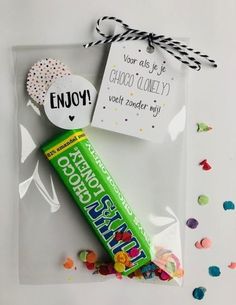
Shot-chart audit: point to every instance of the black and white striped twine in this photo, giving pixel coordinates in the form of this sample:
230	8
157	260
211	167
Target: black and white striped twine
177	49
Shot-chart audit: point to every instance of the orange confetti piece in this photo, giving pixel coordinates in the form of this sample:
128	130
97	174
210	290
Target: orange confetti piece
69	263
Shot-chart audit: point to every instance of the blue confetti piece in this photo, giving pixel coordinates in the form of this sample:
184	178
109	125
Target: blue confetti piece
199	293
214	271
228	205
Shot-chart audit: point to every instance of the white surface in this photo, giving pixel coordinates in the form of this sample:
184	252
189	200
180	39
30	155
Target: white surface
210	24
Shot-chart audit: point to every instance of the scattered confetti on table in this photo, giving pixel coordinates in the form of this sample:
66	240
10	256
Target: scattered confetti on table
203	200
192	223
199	293
198	245
69	263
204	243
205	165
203	127
214	271
228	205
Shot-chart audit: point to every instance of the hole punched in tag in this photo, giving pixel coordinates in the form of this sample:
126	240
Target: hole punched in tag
150	49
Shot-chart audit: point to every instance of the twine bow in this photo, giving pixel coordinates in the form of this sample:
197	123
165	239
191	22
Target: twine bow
176	48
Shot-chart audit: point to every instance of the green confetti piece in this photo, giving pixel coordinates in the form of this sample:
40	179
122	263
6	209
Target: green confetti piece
83	255
202	127
203	200
170	267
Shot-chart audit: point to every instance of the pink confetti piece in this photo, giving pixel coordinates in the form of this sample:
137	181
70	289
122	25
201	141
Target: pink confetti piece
232	265
206	243
198	245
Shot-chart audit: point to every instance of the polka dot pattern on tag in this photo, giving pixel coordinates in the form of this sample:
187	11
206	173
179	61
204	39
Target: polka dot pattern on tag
41	75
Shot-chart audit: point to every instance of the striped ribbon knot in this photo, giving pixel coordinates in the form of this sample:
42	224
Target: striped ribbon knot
176	48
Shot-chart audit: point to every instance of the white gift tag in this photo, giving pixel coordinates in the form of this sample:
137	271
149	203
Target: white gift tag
69	102
140	91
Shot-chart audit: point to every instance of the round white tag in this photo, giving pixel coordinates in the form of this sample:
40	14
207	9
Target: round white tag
70	101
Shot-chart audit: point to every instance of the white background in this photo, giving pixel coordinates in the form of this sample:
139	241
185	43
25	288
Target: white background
211	26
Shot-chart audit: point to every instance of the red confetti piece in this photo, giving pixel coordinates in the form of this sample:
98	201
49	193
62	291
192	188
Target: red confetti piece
164	276
103	269
111	269
203	162
90	266
205	165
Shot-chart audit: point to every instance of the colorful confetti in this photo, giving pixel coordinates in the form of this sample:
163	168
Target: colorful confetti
87	256
203	200
123	259
214	271
228	205
192	223
205	243
199	293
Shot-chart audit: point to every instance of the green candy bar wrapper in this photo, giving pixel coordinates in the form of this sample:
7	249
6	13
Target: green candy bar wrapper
97	195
